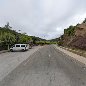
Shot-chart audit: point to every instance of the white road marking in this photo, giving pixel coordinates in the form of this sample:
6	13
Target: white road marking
49	55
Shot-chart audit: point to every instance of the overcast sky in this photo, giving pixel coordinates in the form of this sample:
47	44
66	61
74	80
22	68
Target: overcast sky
43	18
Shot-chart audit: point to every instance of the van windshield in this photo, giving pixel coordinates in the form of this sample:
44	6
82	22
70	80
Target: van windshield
13	46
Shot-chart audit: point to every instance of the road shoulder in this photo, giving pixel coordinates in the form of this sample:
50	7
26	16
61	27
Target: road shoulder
79	58
3	51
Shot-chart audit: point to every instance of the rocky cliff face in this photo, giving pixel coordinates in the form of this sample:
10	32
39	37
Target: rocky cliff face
78	40
81	30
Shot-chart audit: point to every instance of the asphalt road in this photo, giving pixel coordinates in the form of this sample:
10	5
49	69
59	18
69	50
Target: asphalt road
10	60
47	67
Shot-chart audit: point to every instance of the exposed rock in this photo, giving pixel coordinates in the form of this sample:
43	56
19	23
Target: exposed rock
78	40
81	30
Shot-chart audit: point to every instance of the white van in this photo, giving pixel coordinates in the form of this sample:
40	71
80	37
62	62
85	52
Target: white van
19	47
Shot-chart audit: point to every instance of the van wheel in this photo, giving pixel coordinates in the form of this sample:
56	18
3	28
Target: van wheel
23	50
11	50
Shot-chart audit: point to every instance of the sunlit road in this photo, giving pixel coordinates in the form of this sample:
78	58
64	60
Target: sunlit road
47	67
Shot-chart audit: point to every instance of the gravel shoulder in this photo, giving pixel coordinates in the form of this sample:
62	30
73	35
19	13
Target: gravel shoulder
79	58
10	60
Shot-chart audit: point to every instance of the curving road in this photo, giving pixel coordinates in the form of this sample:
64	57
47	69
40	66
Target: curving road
47	67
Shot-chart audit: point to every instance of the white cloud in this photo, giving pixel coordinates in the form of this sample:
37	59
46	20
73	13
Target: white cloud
43	18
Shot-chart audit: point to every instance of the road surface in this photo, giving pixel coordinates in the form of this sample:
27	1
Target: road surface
47	67
10	60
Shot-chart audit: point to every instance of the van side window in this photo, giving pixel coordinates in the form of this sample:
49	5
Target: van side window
22	45
17	45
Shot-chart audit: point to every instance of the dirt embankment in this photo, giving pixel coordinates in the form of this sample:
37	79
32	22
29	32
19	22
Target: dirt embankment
78	40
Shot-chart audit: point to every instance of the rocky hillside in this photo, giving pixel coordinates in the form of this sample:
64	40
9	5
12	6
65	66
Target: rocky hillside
75	36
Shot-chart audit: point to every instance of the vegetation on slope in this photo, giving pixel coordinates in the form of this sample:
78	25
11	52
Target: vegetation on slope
9	37
74	36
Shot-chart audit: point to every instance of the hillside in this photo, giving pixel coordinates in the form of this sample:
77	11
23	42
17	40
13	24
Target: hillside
8	37
75	36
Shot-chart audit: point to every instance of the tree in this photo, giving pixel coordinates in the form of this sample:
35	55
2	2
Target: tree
24	38
7	26
84	21
8	39
69	31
